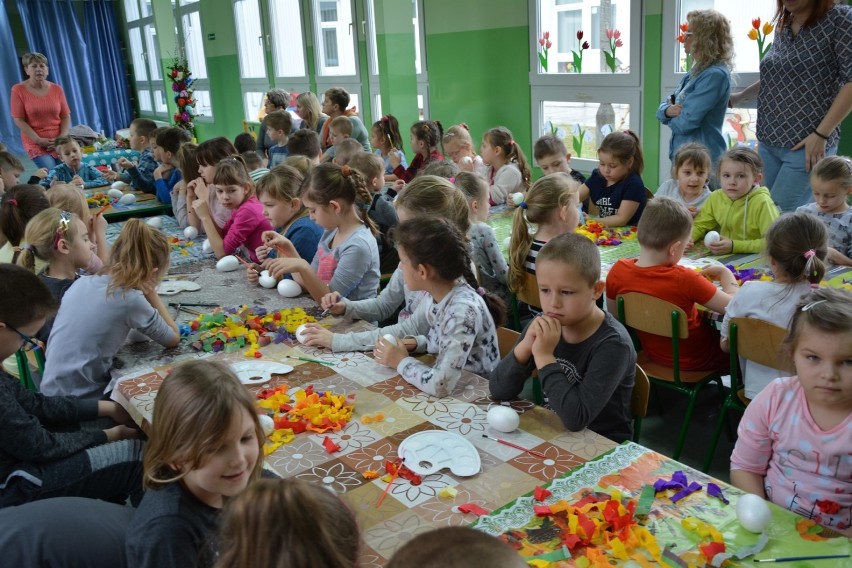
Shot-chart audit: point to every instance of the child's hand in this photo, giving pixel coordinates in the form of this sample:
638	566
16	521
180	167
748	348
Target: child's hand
510	201
548	333
121	432
110	175
125	164
333	302
394	158
523	350
723	275
317	336
465	165
278	267
201	208
722	246
253	274
689	245
78	181
276	240
261	252
693	211
389	354
674	110
41	173
160	170
398	185
54	181
98	224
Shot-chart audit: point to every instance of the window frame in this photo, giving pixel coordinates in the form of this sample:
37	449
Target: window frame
179	10
149	84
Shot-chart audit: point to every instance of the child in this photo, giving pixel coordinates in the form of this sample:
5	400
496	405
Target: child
456	547
287	522
345	149
278	192
49	446
463	319
245	142
347	259
385	139
691	173
243	229
442	169
663	234
302	164
11	169
584	356
84	340
67	197
382	212
278	125
17	206
340	129
139	175
59	239
507	171
72	169
793	445
831	183
188	165
254	165
487	256
615	188
425	137
189	477
551	205
551	156
741	211
167	174
208	154
796	250
305	143
458	145
426	196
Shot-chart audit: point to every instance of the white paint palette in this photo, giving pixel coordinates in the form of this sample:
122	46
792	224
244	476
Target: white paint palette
431	451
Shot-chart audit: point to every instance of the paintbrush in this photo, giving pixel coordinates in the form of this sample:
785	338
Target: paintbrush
247	263
517	447
108	205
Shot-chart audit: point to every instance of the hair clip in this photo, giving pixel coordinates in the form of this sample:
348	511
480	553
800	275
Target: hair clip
481	291
523	205
452	180
28	246
809	254
12	201
385	118
807	307
345	170
62	228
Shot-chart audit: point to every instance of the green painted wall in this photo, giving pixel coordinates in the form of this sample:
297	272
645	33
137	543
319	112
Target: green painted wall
652	94
396	53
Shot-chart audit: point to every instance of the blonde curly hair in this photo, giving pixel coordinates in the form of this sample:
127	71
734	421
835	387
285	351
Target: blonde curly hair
712	42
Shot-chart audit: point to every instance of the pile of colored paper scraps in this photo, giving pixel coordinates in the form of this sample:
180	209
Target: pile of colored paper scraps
606	236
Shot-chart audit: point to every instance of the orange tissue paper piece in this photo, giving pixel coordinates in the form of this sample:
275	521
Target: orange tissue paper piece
472	508
540	493
330	446
370	474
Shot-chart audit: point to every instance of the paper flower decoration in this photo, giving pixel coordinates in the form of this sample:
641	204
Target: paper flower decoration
614	37
759	34
684	30
578	55
181	85
544	46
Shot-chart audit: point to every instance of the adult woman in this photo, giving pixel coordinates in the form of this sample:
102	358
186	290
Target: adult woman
335	103
804	93
309	110
276	99
40	111
696	110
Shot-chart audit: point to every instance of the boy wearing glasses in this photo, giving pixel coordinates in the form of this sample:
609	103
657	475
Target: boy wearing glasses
48	447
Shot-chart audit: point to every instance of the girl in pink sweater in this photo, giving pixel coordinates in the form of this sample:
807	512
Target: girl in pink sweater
235	192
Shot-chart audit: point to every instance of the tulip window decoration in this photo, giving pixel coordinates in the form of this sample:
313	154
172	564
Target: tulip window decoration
614	37
578	55
544	44
182	87
578	136
684	29
759	34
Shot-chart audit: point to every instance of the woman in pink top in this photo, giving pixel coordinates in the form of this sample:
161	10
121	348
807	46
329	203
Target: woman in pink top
40	110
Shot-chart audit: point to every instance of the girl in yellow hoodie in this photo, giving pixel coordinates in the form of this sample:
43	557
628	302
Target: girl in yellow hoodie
741	211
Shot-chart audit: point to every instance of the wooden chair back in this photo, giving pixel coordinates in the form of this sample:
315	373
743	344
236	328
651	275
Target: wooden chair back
506	339
529	293
641	393
761	342
652	315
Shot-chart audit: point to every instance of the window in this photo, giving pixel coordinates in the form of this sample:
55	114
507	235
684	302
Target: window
145	57
191	37
249	39
334	36
287	38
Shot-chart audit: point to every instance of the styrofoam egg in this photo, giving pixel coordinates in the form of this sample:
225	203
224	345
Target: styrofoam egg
267	280
190	233
503	418
127	199
712	237
156	222
206	246
118	185
753	513
390	339
227	264
289	288
267	424
517	198
300	333
115	193
467	160
506	242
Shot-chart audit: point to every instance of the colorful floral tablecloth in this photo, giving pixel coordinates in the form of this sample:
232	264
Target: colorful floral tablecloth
184	251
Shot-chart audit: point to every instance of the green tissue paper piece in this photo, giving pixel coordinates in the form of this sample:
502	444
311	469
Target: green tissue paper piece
646	499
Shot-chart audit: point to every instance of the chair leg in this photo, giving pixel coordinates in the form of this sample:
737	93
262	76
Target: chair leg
538	394
721	388
687	420
655	394
637	427
723	414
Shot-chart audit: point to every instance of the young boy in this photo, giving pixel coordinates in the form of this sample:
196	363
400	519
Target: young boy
456	547
305	143
44	451
167	174
346	150
584	356
381	211
663	234
340	129
141	174
245	142
254	165
552	156
278	125
72	169
11	169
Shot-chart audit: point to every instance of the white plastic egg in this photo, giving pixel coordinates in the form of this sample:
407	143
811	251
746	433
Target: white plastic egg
289	288
227	264
506	242
267	280
127	199
517	198
206	246
753	513
156	222
503	419
118	186
712	237
115	193
267	424
300	334
467	160
190	233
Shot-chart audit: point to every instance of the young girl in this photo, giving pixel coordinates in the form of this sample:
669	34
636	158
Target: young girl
458	145
99	311
741	211
793	445
831	183
72	169
426	196
347	258
243	230
491	266
691	171
463	318
18	205
60	239
287	522
67	197
188	166
208	154
385	139
615	188
796	250
551	205
278	192
425	138
188	477
508	171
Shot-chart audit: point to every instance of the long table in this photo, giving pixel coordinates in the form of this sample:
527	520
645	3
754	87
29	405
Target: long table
146	205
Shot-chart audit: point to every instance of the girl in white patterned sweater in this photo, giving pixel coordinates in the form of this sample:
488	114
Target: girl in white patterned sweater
462	319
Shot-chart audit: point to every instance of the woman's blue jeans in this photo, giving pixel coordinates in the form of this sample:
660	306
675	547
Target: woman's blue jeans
785	176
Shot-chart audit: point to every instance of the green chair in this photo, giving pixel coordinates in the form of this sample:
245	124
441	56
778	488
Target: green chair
755	340
24	374
506	340
639	400
655	316
528	295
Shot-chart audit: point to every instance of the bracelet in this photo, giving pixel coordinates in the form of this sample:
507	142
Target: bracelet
818	133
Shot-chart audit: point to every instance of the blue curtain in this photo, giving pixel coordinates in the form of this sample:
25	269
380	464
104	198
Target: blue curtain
10	73
107	65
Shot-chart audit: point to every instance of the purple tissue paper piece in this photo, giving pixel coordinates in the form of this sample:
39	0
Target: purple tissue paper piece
714	490
678	481
693	487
